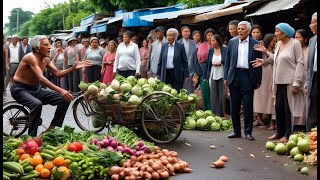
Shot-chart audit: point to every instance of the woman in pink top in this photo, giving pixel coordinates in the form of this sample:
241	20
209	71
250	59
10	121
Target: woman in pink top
202	54
144	56
107	63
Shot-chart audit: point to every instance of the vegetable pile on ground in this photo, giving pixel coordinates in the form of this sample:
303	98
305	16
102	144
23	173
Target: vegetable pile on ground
64	154
205	120
301	147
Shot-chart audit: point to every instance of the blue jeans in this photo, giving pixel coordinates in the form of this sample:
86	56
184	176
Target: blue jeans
34	97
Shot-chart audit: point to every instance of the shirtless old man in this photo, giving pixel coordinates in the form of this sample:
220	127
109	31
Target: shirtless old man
27	91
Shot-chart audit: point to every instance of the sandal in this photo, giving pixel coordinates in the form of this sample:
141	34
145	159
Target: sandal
283	140
275	136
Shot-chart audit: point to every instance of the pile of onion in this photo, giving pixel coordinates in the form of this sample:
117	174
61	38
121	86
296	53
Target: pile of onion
156	165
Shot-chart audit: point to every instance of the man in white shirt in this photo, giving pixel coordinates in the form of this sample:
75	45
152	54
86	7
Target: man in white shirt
155	51
242	78
13	57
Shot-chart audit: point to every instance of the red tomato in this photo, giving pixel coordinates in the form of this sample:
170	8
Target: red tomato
20	151
72	147
78	145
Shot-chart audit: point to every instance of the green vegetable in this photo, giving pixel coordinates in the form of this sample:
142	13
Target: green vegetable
83	86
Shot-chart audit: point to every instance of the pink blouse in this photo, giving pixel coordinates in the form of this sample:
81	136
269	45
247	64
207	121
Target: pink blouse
203	50
144	53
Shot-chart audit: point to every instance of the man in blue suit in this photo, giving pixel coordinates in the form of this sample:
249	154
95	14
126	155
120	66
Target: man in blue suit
242	78
173	63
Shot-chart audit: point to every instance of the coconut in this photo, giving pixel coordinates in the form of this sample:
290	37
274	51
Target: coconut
294	138
304	145
298	157
270	145
281	148
294	151
291	144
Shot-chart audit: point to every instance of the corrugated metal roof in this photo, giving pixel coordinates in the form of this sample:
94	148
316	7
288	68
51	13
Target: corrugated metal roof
115	19
175	14
218	13
274	6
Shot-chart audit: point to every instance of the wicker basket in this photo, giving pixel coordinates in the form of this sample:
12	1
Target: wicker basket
185	105
128	113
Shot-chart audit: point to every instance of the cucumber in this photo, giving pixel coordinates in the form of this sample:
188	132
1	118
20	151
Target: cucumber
11	158
28	169
10	166
53	148
4	177
16	159
60	151
28	176
46	156
17	164
10	175
87	172
69	157
91	176
24	161
48	151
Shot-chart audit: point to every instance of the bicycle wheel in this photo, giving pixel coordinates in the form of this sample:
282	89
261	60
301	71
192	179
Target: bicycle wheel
84	116
162	117
15	120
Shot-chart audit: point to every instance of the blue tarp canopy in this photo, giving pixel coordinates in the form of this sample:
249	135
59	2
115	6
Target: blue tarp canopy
98	28
81	29
87	20
131	19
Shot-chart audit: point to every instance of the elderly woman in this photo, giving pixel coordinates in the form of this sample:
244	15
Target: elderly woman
173	63
202	54
80	55
95	54
288	79
127	60
68	61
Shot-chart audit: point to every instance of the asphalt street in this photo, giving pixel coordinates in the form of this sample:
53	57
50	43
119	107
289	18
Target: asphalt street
248	160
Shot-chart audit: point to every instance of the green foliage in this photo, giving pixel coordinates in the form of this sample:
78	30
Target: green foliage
198	3
25	29
24	16
112	5
75	19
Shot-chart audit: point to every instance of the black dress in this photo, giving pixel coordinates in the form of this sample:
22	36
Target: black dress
4	66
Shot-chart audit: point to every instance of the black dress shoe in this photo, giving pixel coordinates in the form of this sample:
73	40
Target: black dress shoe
234	135
249	137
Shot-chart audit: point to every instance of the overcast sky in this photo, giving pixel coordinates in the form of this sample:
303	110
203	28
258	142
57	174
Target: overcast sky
27	5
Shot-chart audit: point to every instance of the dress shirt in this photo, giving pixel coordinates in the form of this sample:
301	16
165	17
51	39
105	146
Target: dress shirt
186	45
243	54
170	56
14	53
127	58
315	60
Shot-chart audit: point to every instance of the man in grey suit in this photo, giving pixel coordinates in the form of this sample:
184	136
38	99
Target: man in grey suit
155	51
191	52
242	78
311	84
24	48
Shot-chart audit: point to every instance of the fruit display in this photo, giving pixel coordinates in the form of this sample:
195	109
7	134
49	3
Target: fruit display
64	154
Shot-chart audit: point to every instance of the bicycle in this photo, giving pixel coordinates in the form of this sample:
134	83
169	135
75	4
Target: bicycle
16	118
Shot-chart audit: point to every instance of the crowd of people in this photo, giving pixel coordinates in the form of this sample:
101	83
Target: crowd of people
271	77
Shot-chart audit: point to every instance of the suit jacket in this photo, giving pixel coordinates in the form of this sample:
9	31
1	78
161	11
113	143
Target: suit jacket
154	55
230	63
180	62
193	64
311	51
207	70
21	53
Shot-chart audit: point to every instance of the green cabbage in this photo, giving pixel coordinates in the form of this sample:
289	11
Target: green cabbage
142	81
190	124
132	80
201	123
125	87
152	82
215	126
136	90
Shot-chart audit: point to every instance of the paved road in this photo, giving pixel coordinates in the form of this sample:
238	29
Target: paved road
265	165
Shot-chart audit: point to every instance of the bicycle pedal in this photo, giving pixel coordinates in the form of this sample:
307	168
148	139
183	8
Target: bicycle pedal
40	122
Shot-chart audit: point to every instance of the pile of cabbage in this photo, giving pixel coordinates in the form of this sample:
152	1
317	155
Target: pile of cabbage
206	121
132	90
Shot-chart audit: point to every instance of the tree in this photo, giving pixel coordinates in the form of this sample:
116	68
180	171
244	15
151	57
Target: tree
198	3
24	30
128	5
75	19
16	13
